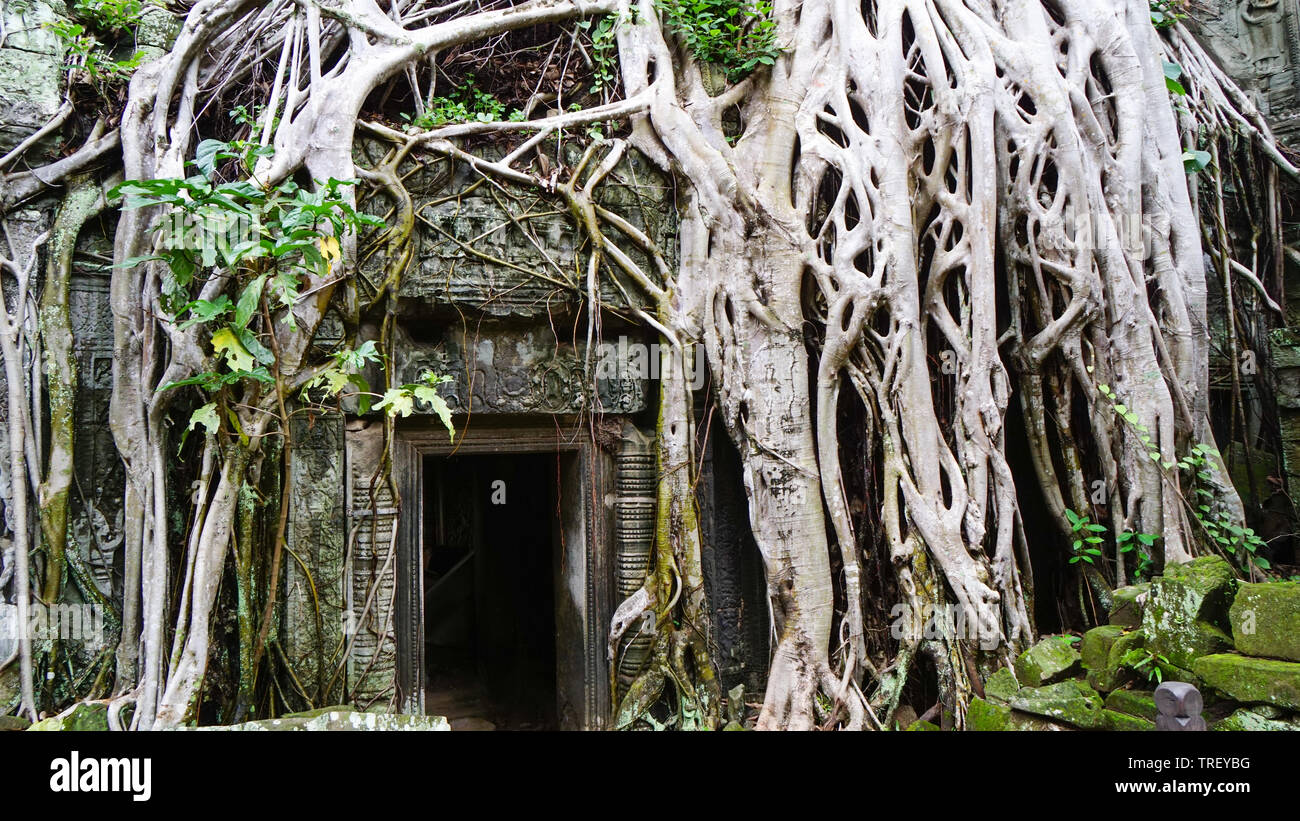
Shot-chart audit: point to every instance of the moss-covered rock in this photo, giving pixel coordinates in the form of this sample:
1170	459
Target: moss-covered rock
1266	620
84	717
1001	686
1116	721
1248	679
1104	655
1126	605
923	727
1140	703
1096	644
1248	720
1072	702
1186	611
985	716
8	723
1050	660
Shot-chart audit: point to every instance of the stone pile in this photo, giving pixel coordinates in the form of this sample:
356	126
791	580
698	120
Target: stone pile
1239	643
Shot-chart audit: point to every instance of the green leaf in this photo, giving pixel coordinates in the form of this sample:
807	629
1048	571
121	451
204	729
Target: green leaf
205	416
438	405
207	154
397	401
237	356
254	346
1194	161
249	299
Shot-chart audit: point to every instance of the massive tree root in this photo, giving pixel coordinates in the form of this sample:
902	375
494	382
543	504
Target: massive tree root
922	207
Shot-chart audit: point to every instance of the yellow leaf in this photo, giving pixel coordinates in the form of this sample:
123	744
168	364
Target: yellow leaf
237	356
329	249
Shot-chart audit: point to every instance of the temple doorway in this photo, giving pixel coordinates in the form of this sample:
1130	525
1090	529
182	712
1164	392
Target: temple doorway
490	560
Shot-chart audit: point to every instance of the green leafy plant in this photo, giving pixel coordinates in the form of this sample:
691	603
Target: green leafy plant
1086	539
1198	470
88	40
1128	542
739	35
1165	13
465	104
1145	663
270	241
604	52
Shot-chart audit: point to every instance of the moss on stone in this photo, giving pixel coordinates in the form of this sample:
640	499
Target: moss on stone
1050	660
1116	721
1186	611
84	717
1072	702
1247	720
1265	620
985	716
1001	686
1248	679
1125	608
1140	703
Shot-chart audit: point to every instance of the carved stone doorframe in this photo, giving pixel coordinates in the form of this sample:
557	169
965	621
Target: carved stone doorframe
583	588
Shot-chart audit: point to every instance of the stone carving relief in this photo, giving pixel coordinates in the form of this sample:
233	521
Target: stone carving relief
1257	42
525	262
511	370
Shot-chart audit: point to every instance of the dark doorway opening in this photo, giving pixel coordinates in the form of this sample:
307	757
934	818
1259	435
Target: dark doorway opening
490	565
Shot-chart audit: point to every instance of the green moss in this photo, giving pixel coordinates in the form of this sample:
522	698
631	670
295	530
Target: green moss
1051	659
1246	720
85	717
1125	609
1247	679
1096	644
1266	620
1186	611
1140	703
985	716
1072	702
1001	686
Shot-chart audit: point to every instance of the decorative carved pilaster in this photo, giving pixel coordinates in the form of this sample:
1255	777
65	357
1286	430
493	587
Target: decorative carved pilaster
371	570
634	532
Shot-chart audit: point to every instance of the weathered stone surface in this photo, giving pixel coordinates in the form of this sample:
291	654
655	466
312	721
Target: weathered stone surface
924	727
1051	659
1140	703
31	70
1115	721
13	723
1266	620
337	719
1248	679
527	370
1096	644
475	255
1001	686
84	717
1126	605
1185	616
985	716
1108	672
1256	44
1073	702
1249	720
314	605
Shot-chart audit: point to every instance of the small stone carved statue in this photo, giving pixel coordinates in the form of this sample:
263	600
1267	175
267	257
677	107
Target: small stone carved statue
1179	707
